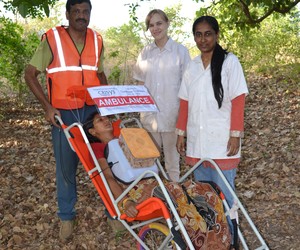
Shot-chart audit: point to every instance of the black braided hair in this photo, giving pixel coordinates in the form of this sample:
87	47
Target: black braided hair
217	60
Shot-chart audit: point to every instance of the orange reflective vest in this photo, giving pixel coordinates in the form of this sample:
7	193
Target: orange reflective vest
70	73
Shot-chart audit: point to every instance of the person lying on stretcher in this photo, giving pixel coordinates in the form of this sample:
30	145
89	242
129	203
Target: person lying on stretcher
99	131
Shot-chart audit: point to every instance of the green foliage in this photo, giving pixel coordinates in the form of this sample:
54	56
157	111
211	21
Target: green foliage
243	14
274	43
132	11
16	50
176	23
122	45
287	75
132	8
33	8
115	75
41	26
18	41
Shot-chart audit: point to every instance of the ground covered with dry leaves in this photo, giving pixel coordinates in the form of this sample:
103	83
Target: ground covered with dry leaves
268	182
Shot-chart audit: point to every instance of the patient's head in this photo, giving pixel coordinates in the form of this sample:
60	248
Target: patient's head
98	128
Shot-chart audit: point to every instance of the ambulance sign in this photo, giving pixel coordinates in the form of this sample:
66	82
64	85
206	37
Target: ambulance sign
115	99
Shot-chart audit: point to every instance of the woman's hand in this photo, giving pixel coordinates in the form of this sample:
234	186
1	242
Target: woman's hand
180	145
233	146
130	209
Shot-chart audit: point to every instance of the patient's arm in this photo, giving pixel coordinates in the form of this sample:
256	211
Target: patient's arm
116	189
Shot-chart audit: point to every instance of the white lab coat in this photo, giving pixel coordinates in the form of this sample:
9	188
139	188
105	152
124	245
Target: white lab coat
208	127
162	71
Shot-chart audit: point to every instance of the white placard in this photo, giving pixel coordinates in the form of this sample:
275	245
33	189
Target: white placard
115	99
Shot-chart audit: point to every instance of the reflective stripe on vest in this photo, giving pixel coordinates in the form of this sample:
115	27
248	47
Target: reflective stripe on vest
70	71
62	61
72	68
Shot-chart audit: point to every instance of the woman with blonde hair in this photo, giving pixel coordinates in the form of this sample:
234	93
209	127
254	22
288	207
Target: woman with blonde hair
160	67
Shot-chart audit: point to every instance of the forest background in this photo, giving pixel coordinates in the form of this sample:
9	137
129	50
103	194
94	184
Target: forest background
263	34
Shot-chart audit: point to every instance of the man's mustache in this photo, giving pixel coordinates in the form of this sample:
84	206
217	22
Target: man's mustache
81	19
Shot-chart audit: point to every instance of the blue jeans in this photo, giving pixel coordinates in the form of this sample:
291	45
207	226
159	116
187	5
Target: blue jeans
66	163
209	174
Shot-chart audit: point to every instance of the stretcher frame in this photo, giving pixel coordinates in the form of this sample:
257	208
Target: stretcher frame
111	204
234	209
160	210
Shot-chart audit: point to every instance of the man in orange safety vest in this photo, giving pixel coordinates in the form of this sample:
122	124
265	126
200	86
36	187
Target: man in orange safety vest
72	58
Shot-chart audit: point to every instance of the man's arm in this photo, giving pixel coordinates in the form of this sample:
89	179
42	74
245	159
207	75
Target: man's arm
32	81
116	189
102	78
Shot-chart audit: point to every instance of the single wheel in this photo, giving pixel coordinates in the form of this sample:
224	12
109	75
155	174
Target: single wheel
153	235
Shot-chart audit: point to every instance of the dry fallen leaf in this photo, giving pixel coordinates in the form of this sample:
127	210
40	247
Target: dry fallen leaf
267	181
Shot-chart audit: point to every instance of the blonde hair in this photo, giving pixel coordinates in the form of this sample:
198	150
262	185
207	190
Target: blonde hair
151	13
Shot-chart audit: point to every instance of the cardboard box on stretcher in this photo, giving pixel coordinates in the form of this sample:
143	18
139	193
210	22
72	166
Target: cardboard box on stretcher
138	147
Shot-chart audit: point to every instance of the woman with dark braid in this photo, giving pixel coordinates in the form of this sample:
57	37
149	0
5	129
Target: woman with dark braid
212	100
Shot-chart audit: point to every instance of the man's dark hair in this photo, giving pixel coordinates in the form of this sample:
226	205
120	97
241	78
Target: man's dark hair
73	2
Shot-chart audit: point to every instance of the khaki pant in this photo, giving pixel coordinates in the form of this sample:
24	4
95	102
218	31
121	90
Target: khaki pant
166	142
